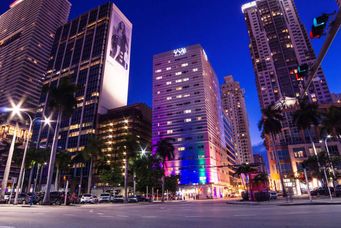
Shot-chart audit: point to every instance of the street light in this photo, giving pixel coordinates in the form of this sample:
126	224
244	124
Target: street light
328	153
16	110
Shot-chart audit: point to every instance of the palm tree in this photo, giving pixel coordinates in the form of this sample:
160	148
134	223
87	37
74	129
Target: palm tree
246	170
165	152
331	121
61	100
92	151
80	159
63	160
129	148
270	125
261	178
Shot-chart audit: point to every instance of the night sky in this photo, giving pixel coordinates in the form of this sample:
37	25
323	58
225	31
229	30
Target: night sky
218	25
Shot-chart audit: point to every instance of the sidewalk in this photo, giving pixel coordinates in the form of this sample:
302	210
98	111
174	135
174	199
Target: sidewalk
284	202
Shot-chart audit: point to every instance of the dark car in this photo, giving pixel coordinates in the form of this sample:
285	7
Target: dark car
118	199
36	199
58	198
142	198
22	197
321	191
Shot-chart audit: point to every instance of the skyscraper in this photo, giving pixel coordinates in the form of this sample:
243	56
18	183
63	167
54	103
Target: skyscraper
93	51
279	44
233	104
338	3
187	108
27	32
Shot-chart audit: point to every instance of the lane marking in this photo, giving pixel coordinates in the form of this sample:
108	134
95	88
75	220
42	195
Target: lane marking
122	216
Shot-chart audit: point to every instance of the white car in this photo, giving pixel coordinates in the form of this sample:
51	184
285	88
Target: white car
273	195
104	197
89	198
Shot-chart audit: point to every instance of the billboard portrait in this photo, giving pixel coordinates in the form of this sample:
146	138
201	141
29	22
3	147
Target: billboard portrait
117	65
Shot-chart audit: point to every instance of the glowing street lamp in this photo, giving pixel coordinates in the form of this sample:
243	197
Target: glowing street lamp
16	110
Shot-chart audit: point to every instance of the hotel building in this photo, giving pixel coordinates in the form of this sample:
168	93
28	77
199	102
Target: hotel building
187	108
115	125
233	104
279	44
93	52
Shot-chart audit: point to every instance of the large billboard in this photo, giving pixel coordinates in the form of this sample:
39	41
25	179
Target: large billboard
116	72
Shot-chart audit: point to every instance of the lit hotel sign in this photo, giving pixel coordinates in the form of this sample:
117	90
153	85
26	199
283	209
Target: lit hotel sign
179	51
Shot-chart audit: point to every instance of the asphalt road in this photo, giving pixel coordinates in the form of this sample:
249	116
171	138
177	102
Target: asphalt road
210	214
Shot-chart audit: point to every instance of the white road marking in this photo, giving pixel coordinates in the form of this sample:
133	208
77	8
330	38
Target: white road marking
7	227
122	216
91	211
193	216
100	213
107	216
150	216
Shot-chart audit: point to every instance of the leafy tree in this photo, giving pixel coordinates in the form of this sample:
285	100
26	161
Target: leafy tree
110	174
148	172
164	152
270	125
62	101
172	183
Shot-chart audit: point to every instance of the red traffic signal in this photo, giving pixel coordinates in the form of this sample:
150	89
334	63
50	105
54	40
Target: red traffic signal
302	71
319	25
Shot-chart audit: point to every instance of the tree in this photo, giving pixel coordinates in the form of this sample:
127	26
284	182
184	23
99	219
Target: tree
109	173
270	125
92	151
331	121
63	161
164	152
61	100
246	170
261	178
80	160
148	172
129	148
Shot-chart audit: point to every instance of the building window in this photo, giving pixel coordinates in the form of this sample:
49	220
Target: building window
188	120
178	73
158	78
195	70
184	64
188	111
158	71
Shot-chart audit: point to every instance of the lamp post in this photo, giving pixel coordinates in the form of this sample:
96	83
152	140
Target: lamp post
19	185
328	153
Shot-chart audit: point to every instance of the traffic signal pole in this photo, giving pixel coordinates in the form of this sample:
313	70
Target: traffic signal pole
335	27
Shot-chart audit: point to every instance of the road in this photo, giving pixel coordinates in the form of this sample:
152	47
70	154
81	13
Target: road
210	214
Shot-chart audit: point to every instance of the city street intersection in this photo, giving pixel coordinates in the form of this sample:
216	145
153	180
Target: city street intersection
178	214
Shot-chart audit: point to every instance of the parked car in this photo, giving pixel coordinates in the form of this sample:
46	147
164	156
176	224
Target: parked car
105	198
89	198
132	199
22	197
6	196
36	199
58	198
142	198
321	191
118	199
338	191
273	195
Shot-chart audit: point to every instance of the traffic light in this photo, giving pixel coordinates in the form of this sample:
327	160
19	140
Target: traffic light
302	71
319	25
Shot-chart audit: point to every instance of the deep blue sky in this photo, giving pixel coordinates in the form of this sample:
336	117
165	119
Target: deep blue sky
162	25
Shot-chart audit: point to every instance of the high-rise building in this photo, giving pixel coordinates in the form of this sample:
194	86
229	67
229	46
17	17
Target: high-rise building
27	32
115	125
259	161
279	44
233	104
187	108
93	51
338	2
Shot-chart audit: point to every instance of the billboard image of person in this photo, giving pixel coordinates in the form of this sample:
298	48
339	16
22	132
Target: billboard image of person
115	83
120	44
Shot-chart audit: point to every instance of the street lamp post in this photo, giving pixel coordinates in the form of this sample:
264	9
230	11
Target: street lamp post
328	153
8	163
20	181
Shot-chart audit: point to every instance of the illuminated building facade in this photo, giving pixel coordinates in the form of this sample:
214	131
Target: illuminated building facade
93	52
114	126
187	108
233	104
279	44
